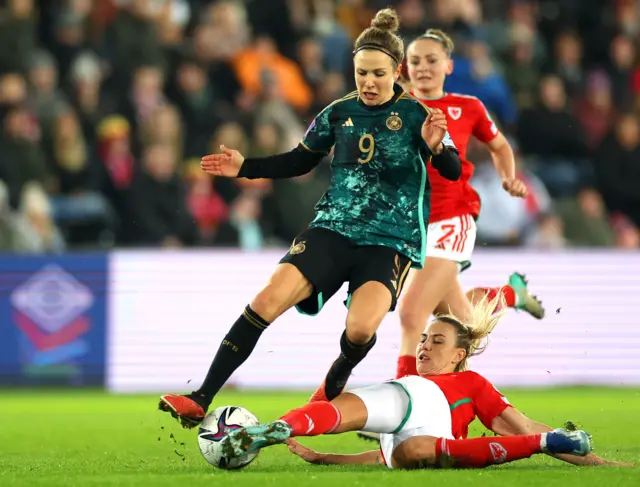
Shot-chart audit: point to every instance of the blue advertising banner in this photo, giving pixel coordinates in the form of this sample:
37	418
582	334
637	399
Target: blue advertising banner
52	320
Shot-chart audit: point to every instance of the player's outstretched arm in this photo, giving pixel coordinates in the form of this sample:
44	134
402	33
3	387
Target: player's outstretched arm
512	422
231	164
372	457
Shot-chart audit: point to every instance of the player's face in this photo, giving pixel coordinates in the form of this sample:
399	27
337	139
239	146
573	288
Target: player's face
375	74
428	65
437	352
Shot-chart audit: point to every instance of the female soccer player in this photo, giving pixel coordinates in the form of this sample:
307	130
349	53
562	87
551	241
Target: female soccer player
454	208
424	420
369	228
454	204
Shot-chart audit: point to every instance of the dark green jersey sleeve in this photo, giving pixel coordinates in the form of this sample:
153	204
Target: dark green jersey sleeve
320	136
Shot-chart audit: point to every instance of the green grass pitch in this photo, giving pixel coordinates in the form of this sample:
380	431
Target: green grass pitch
88	439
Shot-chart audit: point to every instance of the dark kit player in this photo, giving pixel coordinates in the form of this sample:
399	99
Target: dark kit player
369	228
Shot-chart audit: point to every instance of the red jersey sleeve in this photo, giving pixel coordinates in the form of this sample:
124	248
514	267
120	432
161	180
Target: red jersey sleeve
488	402
484	129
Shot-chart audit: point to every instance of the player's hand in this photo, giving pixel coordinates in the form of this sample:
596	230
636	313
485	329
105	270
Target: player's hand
515	187
608	463
226	164
434	130
307	454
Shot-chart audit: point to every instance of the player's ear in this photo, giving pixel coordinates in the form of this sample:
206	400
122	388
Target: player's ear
449	69
398	72
459	355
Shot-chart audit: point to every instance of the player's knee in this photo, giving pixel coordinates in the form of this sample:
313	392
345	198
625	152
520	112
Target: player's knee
270	303
418	452
360	331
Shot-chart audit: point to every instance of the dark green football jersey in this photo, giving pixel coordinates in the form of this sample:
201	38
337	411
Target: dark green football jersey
379	191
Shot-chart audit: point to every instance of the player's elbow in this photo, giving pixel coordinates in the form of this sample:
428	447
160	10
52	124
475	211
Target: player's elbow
448	164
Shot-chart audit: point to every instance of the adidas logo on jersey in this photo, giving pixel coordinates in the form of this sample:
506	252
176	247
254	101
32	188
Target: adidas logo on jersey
348	123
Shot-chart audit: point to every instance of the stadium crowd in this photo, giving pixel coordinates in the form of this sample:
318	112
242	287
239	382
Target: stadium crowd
108	105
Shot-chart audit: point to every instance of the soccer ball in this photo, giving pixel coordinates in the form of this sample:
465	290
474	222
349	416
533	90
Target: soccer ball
215	427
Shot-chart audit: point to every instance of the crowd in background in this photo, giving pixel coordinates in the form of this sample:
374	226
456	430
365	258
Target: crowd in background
107	106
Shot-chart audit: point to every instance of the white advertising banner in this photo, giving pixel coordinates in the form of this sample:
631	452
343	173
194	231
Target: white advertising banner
168	312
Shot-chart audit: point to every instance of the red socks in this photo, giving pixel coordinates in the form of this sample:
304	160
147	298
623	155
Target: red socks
507	292
314	418
406	366
481	452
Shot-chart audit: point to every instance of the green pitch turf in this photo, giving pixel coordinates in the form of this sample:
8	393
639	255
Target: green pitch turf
88	439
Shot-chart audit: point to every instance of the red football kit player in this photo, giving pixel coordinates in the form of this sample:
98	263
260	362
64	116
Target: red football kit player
423	420
455	205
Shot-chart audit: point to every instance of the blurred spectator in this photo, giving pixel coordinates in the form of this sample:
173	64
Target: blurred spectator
135	38
39	232
618	167
158	211
622	56
18	39
553	135
69	38
567	62
413	15
595	110
549	234
332	88
628	17
517	31
311	63
627	234
144	97
212	51
522	70
207	207
10	235
585	220
201	111
163	125
475	73
117	165
22	160
73	160
46	99
261	68
78	204
13	91
85	91
506	220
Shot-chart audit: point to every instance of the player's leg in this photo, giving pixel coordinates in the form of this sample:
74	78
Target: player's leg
450	244
426	289
286	287
380	408
302	274
428	451
455	302
375	283
516	295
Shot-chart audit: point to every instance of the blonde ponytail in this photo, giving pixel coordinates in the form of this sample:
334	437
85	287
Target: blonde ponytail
473	333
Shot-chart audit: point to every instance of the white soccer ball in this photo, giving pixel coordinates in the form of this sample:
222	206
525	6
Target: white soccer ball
213	429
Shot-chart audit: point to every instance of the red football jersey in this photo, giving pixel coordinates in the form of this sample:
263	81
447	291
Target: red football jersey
470	395
466	116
